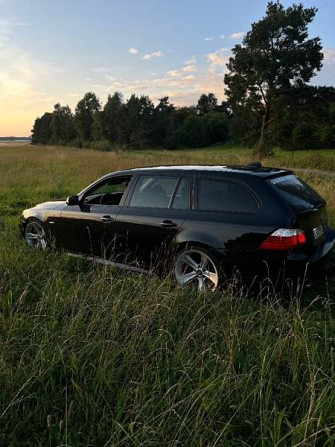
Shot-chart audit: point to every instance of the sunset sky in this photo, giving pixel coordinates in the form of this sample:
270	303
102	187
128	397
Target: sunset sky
55	51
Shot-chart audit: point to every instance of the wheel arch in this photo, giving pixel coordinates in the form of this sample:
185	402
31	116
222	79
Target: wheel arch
192	243
198	238
31	214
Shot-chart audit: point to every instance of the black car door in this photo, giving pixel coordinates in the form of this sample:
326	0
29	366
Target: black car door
90	226
225	214
152	216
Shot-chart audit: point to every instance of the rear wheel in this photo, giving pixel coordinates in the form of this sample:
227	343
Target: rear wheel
35	234
198	267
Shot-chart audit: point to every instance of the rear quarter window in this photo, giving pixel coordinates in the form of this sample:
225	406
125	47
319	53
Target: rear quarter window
225	196
298	194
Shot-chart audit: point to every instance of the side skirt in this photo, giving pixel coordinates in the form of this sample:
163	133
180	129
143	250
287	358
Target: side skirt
111	263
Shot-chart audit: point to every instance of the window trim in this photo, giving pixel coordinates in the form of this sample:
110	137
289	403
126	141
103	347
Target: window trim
189	202
137	178
226	180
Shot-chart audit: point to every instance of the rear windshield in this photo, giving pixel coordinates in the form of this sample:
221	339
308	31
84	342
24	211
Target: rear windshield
297	193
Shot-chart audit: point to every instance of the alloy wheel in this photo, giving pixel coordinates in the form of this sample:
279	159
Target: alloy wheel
195	267
35	235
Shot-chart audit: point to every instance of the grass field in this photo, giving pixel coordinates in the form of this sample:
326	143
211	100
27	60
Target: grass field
91	356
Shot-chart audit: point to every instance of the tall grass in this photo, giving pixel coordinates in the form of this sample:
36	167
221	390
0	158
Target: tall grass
92	356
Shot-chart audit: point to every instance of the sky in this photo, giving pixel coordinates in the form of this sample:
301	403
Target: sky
56	51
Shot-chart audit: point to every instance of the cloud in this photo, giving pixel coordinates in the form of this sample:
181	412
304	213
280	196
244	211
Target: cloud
154	54
174	73
21	24
110	78
191	61
326	75
133	50
88	79
157	85
222	36
237	35
217	58
6	30
189	78
190	68
24	84
20	73
22	96
101	69
329	55
113	86
183	84
208	39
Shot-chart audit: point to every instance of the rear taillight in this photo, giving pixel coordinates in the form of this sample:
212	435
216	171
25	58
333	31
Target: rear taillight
284	239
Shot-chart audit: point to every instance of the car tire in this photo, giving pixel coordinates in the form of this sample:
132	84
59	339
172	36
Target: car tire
35	234
199	267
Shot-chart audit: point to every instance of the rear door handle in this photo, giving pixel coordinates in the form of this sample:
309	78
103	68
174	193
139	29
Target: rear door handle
107	219
168	224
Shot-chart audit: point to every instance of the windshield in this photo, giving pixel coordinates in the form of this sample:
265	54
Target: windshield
297	193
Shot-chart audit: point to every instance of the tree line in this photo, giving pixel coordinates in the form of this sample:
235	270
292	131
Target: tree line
269	100
305	120
136	122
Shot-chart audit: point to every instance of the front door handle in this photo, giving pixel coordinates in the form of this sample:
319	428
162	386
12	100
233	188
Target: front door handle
107	219
168	224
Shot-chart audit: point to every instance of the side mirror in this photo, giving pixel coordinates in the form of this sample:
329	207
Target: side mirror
72	200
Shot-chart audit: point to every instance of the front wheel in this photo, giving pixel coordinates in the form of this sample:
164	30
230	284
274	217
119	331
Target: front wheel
35	234
199	267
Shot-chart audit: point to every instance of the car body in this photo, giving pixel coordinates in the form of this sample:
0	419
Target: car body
206	219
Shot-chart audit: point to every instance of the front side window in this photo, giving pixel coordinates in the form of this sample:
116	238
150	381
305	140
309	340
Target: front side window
225	196
153	192
109	192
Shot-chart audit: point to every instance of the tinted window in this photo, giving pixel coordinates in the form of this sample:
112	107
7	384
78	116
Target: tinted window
153	192
181	198
217	195
297	193
109	192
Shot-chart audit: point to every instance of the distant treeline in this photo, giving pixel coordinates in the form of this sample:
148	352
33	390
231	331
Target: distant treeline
136	123
304	117
15	138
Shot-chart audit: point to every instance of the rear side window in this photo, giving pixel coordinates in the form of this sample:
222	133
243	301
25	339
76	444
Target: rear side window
299	195
153	192
226	196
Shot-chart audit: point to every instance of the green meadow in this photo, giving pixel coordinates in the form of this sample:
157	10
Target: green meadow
94	356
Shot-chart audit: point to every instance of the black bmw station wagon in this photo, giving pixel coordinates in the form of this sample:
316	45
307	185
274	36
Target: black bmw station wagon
202	220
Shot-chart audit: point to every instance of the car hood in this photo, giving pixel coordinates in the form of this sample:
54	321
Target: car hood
54	205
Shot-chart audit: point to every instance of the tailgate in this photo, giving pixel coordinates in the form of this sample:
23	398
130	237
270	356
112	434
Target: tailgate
314	224
310	212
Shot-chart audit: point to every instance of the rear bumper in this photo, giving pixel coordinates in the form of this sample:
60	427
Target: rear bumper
271	263
315	256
